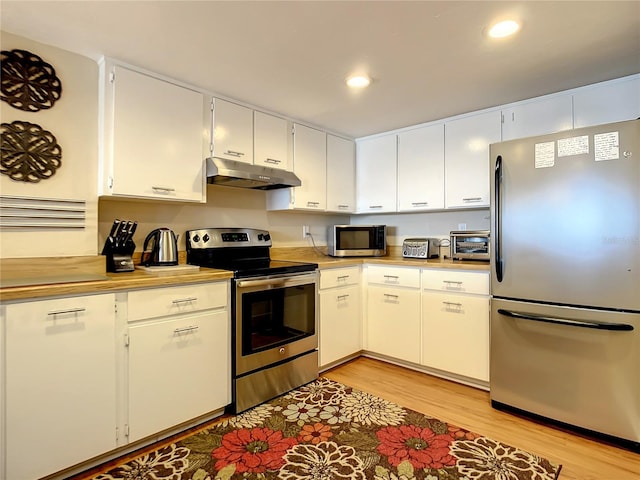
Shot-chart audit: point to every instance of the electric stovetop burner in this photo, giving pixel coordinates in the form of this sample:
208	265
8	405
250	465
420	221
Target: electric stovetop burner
244	251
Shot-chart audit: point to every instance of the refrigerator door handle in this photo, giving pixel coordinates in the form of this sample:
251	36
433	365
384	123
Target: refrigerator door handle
497	227
620	327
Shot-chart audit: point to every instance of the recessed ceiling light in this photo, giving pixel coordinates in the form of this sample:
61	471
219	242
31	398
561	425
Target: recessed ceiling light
504	29
358	81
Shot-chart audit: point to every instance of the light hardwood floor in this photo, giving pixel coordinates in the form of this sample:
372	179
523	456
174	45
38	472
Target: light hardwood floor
470	408
467	407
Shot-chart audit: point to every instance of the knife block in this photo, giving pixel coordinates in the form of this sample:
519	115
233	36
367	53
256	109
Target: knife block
119	257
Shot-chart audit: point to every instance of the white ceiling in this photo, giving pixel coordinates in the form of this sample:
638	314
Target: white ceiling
428	59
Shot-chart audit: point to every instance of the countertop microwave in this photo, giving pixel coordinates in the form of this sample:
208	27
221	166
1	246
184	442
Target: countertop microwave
357	240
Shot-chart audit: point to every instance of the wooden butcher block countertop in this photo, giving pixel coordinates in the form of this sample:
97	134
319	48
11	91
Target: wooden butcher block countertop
33	278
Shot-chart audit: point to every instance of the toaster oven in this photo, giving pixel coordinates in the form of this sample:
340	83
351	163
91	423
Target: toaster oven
470	245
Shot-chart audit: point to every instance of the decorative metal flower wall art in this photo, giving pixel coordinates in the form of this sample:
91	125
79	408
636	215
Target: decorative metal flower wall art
28	82
28	153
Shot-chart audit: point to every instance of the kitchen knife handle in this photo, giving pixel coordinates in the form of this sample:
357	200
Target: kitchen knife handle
498	219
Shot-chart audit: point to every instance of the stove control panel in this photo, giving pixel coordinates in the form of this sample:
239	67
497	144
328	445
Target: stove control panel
227	237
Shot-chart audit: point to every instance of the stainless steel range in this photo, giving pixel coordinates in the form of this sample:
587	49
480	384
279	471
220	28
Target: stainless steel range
273	309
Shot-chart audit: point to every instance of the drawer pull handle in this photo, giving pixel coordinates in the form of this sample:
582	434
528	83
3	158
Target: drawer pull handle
452	282
342	297
375	206
472	199
185	300
191	328
343	277
391	277
419	204
343	206
233	153
313	204
389	295
163	189
70	310
272	160
453	304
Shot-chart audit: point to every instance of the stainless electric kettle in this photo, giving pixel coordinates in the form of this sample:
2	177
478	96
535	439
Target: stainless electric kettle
160	248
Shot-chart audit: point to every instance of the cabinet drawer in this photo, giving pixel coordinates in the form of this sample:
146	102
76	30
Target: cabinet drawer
157	302
456	281
338	277
397	276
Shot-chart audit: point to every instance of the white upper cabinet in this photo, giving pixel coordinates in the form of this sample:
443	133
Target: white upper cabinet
466	149
609	102
376	176
341	175
271	141
232	131
421	169
153	144
538	117
310	166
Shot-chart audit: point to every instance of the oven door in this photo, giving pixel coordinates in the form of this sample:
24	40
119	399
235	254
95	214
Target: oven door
275	319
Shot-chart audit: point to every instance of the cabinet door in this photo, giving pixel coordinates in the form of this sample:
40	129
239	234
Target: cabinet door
538	117
456	334
613	101
232	131
376	178
421	169
310	165
271	141
340	324
60	383
393	322
178	370
466	152
156	139
341	175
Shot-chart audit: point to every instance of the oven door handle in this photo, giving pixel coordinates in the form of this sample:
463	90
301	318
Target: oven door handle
276	282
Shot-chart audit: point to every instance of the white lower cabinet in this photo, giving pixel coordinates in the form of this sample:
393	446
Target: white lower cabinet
455	322
179	365
393	312
60	374
340	314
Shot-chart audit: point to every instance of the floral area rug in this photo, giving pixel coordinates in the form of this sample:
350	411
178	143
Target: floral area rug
328	431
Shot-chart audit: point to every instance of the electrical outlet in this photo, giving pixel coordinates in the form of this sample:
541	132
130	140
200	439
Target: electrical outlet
305	231
462	226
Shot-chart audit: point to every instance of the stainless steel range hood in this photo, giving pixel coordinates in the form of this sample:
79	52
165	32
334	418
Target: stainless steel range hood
231	173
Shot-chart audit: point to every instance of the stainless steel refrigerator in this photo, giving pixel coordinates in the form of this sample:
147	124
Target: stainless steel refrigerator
565	279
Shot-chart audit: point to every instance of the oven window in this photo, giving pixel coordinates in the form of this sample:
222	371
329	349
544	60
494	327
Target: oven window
277	316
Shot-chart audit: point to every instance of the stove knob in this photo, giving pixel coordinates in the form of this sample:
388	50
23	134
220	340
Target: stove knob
260	236
206	238
196	238
267	237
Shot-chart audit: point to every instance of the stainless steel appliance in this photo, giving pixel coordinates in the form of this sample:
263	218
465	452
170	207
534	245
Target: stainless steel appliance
565	279
421	248
470	245
273	310
357	240
160	248
232	173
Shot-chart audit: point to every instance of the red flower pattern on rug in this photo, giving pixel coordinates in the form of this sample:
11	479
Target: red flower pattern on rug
420	446
253	450
329	431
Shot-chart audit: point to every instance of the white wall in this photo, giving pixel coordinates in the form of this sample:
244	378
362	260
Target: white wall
432	224
73	120
225	207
